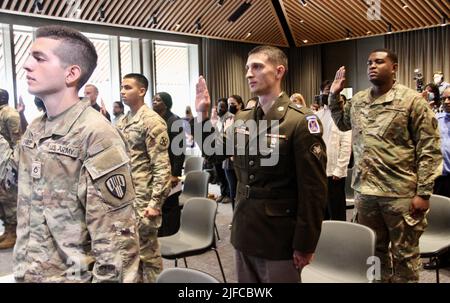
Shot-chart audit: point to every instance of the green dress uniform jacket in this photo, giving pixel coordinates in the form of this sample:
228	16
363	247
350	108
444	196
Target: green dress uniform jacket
279	208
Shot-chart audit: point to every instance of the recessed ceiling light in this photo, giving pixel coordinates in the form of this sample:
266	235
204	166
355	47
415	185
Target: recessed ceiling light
305	41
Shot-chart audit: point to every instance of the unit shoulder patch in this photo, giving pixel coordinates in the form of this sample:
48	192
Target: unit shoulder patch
313	124
316	150
117	185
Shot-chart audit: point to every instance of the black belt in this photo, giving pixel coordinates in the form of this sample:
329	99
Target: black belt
252	192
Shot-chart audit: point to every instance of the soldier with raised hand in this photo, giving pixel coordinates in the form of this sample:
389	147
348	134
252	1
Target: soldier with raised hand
76	221
397	157
146	134
10	130
279	160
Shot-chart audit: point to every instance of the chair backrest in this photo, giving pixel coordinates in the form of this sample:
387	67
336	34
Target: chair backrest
184	275
349	192
7	279
193	164
439	216
198	218
344	248
196	184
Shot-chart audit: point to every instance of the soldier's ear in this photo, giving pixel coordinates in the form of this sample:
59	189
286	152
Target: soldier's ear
142	91
281	70
73	75
395	67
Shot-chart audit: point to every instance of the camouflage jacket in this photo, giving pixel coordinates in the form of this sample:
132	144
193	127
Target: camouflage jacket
146	134
76	222
10	125
396	142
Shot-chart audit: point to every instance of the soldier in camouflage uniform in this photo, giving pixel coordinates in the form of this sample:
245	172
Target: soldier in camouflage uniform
146	134
76	221
10	130
396	148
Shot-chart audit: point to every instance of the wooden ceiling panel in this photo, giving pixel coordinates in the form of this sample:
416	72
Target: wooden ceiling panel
319	21
323	21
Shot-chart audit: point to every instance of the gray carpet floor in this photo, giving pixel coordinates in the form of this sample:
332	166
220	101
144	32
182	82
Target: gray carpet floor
208	261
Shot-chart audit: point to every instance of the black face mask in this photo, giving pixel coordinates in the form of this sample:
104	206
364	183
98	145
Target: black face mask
232	109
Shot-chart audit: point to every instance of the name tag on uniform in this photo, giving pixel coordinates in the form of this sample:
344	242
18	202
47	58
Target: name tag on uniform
36	169
28	143
63	150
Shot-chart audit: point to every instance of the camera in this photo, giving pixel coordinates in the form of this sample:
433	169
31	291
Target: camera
418	77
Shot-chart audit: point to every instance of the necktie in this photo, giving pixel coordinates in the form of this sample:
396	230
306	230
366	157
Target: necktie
259	113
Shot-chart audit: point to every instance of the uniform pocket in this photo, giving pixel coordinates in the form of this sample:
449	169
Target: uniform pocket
392	119
280	209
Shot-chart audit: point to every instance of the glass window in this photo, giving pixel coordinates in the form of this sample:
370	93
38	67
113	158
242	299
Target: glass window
172	73
23	38
2	59
125	56
101	77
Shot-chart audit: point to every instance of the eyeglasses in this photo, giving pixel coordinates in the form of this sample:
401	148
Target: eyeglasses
443	99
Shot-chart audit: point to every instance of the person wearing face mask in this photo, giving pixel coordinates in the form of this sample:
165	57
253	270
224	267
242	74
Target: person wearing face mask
432	95
438	79
235	104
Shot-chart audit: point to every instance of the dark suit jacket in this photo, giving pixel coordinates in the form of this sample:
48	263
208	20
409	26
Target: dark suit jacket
176	161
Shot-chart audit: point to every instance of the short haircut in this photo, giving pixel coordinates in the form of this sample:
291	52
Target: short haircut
238	100
225	100
75	49
119	103
390	54
4	97
275	55
92	85
139	78
325	84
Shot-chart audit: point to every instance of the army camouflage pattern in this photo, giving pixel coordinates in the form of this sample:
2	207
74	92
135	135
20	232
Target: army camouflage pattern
148	140
396	142
10	130
74	223
392	222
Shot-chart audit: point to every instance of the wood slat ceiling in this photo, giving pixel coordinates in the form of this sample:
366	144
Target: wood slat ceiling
319	21
176	16
332	20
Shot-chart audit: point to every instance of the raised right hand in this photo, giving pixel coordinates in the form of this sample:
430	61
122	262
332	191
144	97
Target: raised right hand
339	81
202	99
20	106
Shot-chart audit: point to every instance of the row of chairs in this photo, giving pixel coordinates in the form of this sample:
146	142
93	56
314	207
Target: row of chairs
196	234
344	248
